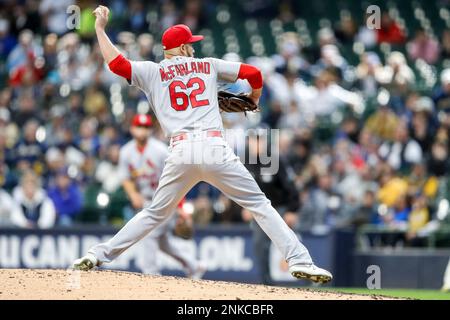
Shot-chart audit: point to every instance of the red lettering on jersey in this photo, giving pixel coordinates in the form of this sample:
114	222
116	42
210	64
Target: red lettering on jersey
183	69
180	99
171	71
188	71
200	67
163	75
178	69
194	67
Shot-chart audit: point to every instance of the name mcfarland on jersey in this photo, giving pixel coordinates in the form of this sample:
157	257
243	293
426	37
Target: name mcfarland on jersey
183	69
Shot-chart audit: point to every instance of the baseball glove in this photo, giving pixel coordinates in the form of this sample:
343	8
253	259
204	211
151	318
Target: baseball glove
230	102
184	228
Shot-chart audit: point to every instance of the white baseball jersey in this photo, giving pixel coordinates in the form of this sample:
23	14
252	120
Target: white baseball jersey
144	166
182	91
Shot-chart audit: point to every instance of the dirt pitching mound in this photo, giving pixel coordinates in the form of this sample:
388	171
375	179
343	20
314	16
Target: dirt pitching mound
63	284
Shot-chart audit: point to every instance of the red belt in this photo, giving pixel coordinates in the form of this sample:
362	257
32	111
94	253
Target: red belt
185	136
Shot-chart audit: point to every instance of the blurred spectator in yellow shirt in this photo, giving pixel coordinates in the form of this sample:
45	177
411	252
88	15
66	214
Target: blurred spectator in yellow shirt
392	188
419	182
382	123
418	218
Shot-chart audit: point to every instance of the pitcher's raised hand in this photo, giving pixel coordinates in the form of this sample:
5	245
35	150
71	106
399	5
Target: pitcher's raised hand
101	17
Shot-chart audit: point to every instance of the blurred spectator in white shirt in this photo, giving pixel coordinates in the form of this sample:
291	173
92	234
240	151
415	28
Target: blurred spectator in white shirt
289	54
403	151
36	209
55	16
366	35
73	58
300	110
366	71
331	58
396	72
329	96
108	173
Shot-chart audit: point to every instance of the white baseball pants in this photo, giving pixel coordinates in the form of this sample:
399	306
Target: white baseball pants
208	159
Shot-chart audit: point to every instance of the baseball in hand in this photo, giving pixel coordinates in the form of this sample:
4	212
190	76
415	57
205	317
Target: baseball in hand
101	17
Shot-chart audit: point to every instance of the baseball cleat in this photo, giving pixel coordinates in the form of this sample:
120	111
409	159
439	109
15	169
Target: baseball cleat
199	272
310	272
85	263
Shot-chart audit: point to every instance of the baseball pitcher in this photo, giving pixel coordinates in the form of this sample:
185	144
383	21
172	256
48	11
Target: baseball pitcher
182	91
141	163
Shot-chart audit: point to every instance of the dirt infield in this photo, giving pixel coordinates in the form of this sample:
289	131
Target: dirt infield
62	284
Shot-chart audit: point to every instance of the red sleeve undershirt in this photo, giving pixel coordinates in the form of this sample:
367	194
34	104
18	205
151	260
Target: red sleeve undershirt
121	66
252	75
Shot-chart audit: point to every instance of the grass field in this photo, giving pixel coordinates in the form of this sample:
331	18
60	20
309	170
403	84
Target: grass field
399	293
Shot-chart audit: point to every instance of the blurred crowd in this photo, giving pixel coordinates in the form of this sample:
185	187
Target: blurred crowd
363	144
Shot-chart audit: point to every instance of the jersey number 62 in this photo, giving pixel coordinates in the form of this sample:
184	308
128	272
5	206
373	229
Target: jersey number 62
179	99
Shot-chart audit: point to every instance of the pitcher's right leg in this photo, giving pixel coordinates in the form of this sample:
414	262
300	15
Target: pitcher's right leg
176	180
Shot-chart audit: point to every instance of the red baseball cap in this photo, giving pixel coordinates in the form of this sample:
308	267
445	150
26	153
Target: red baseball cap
142	120
177	35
